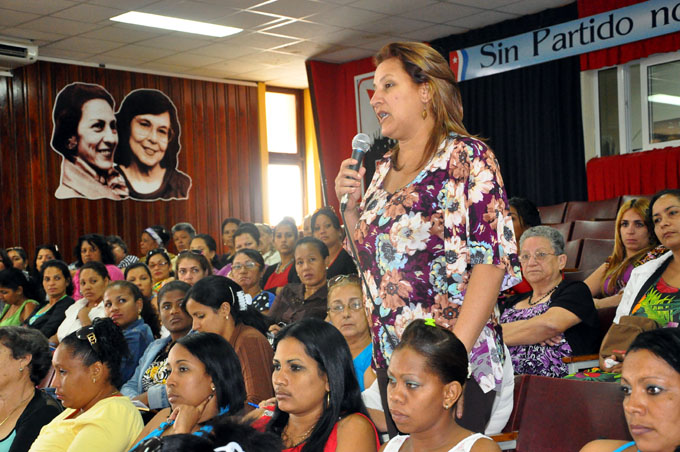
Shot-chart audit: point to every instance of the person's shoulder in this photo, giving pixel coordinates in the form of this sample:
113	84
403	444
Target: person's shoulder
607	445
356	425
485	445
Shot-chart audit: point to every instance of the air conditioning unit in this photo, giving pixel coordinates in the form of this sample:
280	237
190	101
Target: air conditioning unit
14	54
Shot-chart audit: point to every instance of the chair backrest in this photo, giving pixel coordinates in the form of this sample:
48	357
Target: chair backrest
593	229
521	384
552	214
626	198
578	275
592	210
560	415
564	228
594	252
572	249
605	317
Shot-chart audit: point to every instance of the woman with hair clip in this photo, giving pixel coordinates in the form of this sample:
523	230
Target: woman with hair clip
219	305
87	378
153	237
426	376
17	293
94	248
58	285
318	402
192	267
433	232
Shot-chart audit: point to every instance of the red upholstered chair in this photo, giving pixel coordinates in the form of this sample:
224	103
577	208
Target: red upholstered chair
572	249
552	214
593	230
594	252
592	210
564	228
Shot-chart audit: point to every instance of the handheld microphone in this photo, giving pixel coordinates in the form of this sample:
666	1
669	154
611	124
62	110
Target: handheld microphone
361	143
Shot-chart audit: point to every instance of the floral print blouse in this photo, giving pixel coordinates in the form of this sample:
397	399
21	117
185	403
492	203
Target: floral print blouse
417	247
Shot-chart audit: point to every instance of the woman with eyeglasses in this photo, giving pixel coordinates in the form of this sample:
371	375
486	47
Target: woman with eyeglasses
557	318
94	248
87	378
247	269
149	145
160	265
347	313
192	267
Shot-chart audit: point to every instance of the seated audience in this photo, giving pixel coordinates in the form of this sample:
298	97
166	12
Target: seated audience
87	378
633	246
426	375
204	382
153	237
5	261
94	248
205	244
192	267
160	264
182	233
140	275
247	269
58	285
229	226
120	252
347	313
44	253
148	382
18	295
650	381
247	236
123	303
25	361
326	227
557	318
269	253
18	257
218	305
308	298
93	281
285	237
653	290
318	402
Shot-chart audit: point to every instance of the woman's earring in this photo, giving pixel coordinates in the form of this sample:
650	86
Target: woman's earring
72	143
328	398
226	317
21	369
212	387
424	113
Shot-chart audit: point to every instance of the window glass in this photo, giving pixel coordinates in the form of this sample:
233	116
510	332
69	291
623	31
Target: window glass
281	123
609	112
285	193
635	108
663	97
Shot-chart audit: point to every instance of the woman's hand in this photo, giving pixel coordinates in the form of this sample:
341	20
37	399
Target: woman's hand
84	316
348	181
616	368
186	416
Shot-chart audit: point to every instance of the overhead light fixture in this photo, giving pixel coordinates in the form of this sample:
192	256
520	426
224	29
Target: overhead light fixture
664	99
176	24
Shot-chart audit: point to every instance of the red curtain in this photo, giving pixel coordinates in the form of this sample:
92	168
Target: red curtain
640	173
627	52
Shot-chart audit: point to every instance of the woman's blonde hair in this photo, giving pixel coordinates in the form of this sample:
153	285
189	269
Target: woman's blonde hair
425	65
619	261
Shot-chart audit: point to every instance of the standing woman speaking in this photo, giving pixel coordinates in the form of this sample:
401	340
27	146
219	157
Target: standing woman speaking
433	232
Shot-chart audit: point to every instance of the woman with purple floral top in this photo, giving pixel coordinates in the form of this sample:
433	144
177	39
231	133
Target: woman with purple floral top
433	231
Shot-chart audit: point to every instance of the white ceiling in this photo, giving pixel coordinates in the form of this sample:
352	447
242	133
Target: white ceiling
278	36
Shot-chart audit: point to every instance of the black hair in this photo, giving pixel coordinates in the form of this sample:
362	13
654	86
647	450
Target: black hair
650	220
528	214
137	265
170	287
186	227
98	267
328	212
223	366
99	242
163	252
23	341
47	246
13	278
212	246
230	220
68	110
162	233
444	353
248	228
117	240
326	345
63	268
201	259
148	313
146	102
252	255
663	342
21	252
287	221
323	249
4	258
214	290
111	346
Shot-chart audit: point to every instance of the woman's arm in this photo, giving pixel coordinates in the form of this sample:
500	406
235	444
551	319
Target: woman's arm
356	434
594	281
608	302
606	445
27	311
154	423
554	321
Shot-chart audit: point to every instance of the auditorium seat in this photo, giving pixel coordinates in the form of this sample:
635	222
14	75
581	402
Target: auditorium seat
605	318
593	230
552	214
626	198
564	228
578	275
572	249
594	252
592	210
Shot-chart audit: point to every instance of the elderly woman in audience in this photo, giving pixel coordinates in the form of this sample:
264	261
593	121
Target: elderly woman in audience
120	252
651	386
218	305
347	313
326	227
204	382
87	378
557	318
25	361
123	303
153	237
318	402
160	264
17	294
229	226
58	285
426	376
94	248
308	298
192	267
653	290
285	237
182	233
148	382
18	257
93	281
247	269
633	246
247	236
205	244
267	249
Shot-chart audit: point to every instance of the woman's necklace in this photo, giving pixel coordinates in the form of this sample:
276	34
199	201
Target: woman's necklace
279	269
16	408
543	297
294	441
